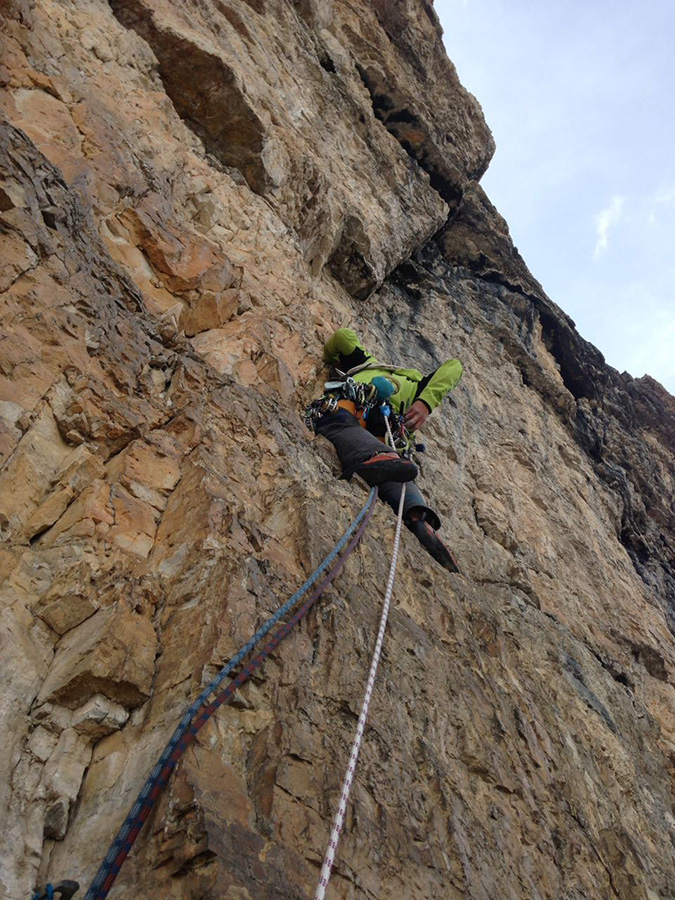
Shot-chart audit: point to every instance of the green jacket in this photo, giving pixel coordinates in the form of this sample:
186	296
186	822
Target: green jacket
343	349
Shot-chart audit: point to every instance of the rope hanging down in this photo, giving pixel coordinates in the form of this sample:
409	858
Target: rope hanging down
204	707
353	757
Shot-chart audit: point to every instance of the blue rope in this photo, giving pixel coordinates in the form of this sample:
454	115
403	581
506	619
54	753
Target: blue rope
155	777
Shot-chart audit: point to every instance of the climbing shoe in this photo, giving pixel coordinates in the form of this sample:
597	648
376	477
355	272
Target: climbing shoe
386	467
434	546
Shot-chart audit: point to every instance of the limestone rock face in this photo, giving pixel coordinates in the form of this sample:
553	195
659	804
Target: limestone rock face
192	197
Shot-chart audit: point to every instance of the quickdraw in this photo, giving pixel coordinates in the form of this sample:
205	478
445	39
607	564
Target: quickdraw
398	437
363	396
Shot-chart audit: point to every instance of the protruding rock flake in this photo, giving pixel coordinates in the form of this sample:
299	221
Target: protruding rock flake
193	197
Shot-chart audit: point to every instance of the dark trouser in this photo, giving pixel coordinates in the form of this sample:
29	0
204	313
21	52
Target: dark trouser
354	445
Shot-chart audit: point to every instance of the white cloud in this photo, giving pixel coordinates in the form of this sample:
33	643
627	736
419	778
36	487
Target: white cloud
605	220
665	197
660	206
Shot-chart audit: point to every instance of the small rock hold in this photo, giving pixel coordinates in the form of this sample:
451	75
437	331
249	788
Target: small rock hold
56	819
12	196
54	718
91	340
73	437
53	216
42	743
99	717
66	611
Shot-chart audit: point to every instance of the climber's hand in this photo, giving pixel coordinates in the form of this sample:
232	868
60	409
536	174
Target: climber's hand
416	415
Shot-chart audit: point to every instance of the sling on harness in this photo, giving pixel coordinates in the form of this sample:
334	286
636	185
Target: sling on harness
348	394
362	400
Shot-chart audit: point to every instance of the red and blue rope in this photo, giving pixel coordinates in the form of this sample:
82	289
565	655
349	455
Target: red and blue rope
203	707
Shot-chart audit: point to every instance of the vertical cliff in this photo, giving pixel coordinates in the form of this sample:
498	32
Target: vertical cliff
193	195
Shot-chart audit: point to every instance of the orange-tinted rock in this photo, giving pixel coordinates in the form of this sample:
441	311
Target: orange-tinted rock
112	653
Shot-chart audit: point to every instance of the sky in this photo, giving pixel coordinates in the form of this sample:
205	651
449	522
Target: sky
580	98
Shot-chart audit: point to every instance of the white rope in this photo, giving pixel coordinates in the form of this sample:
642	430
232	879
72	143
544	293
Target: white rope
349	777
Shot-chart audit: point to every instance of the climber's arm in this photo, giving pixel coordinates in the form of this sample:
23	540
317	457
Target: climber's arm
434	387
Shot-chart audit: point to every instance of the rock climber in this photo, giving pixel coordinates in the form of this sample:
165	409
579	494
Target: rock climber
357	428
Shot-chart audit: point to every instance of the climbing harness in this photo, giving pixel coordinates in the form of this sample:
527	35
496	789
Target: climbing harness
360	399
211	698
348	393
356	746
